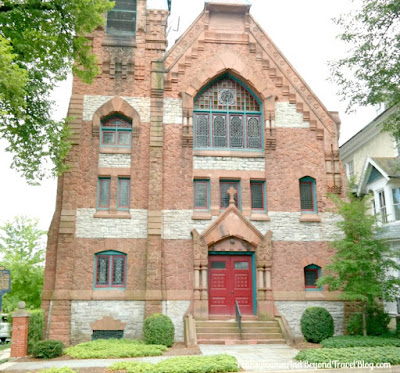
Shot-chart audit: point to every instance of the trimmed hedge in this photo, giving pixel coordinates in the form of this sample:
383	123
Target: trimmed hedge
158	329
377	322
48	349
369	355
346	341
113	348
182	364
316	324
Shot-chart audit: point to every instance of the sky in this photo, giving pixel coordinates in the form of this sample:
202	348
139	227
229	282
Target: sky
302	30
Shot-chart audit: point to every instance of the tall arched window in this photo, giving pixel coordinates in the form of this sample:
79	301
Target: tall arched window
110	270
116	131
227	116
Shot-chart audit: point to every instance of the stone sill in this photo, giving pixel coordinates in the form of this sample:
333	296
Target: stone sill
112	215
119	41
201	216
314	218
259	217
227	153
110	150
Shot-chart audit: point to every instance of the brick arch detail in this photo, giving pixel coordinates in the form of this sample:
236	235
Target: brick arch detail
115	105
311	260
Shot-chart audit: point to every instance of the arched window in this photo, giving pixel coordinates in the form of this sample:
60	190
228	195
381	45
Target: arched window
308	195
227	116
110	270
116	131
311	274
121	20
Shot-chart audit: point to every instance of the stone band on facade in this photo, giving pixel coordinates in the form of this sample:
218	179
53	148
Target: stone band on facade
176	310
293	310
177	225
287	116
172	111
89	227
83	313
228	163
114	160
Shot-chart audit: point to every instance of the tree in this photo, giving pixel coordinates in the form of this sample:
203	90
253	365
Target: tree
22	251
40	43
361	264
370	74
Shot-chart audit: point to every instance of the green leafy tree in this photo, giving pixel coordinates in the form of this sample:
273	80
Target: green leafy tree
370	73
22	252
40	43
361	265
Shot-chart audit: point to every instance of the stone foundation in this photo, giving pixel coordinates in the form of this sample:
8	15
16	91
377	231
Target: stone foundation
176	311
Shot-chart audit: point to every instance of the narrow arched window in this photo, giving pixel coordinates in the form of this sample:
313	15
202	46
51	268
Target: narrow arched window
116	131
110	270
227	116
311	274
121	20
308	195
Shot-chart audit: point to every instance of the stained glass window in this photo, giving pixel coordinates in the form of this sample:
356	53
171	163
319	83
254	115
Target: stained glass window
257	195
116	131
121	20
311	275
201	194
110	270
224	186
103	193
124	189
307	195
227	115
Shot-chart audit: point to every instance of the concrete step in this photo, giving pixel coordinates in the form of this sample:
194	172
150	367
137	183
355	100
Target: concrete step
245	336
240	342
225	324
235	329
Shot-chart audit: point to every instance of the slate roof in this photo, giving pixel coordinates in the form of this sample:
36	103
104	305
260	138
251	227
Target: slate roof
391	166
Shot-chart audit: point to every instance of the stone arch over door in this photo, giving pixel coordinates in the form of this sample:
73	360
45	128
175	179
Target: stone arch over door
232	226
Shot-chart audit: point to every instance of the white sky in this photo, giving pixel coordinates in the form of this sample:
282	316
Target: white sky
302	30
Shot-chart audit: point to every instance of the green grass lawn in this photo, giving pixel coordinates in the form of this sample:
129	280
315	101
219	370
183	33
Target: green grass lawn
113	348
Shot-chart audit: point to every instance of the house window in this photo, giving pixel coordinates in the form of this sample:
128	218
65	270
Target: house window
224	187
382	206
396	203
124	193
311	274
121	20
110	270
201	192
103	193
227	116
116	131
257	195
308	195
350	169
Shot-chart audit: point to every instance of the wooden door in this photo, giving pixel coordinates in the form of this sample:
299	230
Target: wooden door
230	280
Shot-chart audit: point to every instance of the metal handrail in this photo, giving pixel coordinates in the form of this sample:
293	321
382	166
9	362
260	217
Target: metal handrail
238	318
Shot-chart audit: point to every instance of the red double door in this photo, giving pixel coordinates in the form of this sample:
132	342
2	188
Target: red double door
230	280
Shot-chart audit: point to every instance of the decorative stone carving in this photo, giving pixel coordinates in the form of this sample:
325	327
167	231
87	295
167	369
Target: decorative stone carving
264	251
200	249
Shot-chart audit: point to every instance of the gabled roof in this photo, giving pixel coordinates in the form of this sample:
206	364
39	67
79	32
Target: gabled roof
387	167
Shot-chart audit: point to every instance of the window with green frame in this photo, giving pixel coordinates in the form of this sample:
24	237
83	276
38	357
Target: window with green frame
103	193
110	270
124	193
201	195
116	131
224	186
311	274
121	20
258	195
227	116
308	196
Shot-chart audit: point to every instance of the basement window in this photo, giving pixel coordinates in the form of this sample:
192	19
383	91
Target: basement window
107	334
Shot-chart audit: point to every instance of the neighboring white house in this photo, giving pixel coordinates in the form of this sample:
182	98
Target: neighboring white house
372	157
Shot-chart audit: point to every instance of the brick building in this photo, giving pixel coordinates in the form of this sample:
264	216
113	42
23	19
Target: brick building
198	179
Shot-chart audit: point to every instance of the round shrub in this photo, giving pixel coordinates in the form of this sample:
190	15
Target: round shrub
48	349
158	329
316	324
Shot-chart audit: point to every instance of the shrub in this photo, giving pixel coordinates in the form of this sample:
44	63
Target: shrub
158	329
377	322
113	348
345	341
397	327
47	349
369	355
35	333
316	324
182	364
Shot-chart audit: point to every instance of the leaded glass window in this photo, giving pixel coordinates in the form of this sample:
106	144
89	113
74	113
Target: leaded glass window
311	275
116	131
124	189
201	190
103	193
257	195
224	186
121	20
307	195
227	115
110	270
